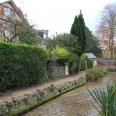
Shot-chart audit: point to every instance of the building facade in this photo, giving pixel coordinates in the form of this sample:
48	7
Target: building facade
8	9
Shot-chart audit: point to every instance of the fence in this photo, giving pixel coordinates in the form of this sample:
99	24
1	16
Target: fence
106	62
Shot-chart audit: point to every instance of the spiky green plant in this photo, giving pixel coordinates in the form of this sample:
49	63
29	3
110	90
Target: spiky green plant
105	99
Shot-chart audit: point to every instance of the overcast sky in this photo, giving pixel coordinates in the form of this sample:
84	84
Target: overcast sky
58	15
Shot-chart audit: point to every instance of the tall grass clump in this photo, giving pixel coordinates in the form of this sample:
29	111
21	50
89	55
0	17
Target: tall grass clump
105	99
96	72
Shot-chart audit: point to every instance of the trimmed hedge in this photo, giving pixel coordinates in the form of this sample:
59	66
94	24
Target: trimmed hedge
82	64
21	65
90	63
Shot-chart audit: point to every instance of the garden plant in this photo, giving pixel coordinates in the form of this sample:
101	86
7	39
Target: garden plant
105	99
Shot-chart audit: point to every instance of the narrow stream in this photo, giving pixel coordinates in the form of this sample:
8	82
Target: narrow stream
73	103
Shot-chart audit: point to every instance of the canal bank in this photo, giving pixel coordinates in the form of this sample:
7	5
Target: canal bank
75	102
12	101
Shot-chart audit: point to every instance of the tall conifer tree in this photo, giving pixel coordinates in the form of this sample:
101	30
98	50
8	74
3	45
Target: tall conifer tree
78	29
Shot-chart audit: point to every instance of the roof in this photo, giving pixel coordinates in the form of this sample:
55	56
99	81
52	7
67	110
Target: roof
14	5
44	31
90	55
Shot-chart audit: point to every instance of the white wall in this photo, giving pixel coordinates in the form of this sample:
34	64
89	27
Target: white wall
94	62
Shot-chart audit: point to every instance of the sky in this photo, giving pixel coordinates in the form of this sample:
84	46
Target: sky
58	15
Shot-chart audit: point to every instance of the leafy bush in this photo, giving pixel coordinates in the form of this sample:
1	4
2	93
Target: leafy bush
95	73
73	61
89	63
65	57
60	53
21	65
106	100
82	63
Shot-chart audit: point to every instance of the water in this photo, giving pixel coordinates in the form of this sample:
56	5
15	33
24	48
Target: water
73	103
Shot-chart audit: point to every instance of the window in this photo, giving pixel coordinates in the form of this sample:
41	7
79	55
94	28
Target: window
41	34
8	12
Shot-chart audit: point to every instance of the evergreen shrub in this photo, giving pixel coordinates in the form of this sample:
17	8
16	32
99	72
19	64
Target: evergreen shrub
21	65
82	63
89	63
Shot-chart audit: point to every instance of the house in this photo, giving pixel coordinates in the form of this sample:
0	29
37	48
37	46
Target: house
8	9
93	57
8	29
43	34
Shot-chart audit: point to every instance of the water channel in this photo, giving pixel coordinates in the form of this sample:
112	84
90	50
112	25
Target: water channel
73	103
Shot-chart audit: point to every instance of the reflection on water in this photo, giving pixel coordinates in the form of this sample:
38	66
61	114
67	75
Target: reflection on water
73	103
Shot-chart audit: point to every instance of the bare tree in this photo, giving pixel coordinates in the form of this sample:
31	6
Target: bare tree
106	30
13	28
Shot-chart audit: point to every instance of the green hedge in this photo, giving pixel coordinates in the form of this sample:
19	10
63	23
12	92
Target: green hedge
89	63
82	63
21	65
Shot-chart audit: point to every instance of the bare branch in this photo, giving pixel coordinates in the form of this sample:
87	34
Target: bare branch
107	26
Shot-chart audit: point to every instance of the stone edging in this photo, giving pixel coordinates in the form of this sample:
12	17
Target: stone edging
111	69
21	105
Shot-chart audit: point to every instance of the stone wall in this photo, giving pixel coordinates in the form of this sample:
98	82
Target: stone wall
38	97
111	68
55	72
58	71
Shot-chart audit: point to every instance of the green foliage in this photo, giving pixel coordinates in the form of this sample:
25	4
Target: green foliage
105	99
78	29
89	63
21	65
22	30
82	63
64	56
27	34
68	41
93	45
60	53
29	38
96	72
73	61
3	109
74	27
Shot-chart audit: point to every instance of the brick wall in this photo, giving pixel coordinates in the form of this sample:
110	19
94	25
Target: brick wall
106	62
